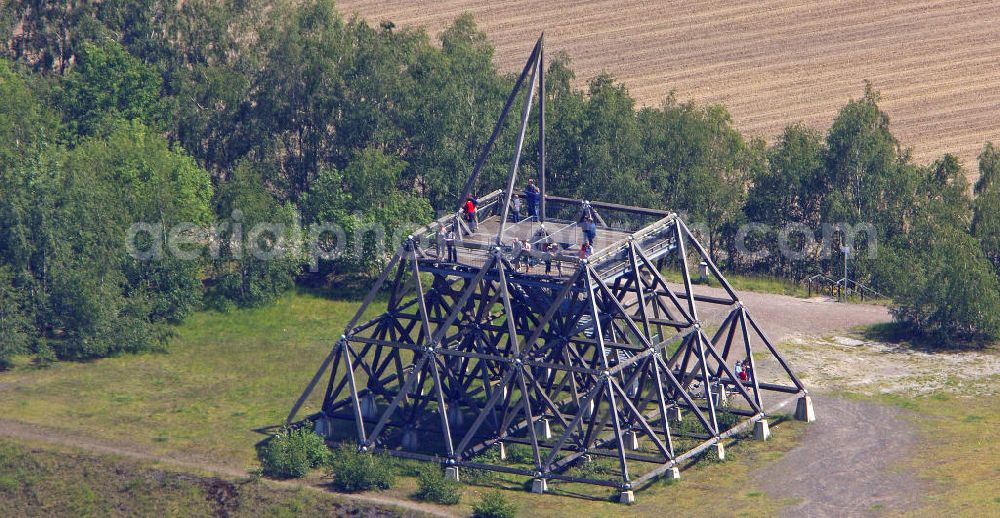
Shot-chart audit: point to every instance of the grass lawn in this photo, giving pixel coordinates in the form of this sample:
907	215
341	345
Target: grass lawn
960	452
764	284
761	284
55	482
708	488
226	376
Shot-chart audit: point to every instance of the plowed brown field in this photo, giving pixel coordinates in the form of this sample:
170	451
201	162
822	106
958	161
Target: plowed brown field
772	62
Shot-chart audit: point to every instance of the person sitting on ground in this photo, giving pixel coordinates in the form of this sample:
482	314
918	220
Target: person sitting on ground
532	196
747	369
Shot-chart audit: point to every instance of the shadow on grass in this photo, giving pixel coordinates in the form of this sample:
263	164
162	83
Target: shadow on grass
708	455
902	334
351	286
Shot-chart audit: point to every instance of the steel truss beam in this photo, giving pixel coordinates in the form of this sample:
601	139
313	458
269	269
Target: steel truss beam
572	368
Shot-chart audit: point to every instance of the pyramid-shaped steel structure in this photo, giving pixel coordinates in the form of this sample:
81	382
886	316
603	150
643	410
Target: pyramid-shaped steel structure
582	358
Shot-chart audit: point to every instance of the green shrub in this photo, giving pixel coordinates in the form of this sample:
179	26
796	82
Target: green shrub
358	471
712	455
596	468
476	476
728	419
520	454
433	486
943	287
407	467
493	505
292	453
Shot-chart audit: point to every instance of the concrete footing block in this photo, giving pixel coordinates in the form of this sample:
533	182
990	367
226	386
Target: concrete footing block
503	450
323	427
720	395
542	429
720	451
455	417
626	497
451	473
761	430
410	440
675	414
804	409
673	473
539	485
369	408
631	439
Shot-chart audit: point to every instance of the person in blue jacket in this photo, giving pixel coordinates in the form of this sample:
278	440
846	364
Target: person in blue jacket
533	196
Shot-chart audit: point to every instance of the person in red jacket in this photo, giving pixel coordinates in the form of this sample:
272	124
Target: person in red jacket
469	212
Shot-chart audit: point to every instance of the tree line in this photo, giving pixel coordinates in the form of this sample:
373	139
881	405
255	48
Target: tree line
226	114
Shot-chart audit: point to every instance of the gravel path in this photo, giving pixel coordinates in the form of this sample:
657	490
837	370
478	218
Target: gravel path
843	466
783	316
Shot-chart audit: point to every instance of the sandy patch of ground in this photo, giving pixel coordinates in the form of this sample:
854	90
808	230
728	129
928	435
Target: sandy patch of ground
848	364
784	317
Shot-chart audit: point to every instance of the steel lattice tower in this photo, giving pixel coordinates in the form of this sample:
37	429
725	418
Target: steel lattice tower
595	357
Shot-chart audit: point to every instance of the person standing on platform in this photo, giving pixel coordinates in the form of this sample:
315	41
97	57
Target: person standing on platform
517	253
515	211
439	241
589	229
541	238
449	240
469	212
532	196
552	250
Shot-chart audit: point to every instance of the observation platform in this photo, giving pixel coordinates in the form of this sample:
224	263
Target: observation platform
616	225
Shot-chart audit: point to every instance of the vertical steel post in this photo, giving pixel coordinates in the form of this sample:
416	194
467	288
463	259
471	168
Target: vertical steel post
541	126
529	95
467	189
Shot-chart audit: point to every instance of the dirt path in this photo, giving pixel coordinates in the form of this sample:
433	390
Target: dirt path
30	432
784	316
844	464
